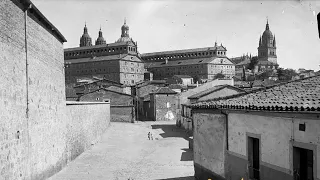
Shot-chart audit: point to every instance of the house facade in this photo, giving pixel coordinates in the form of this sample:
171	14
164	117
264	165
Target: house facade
269	134
162	105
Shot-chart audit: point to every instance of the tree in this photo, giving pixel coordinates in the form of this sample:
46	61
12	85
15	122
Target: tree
265	75
253	62
219	76
286	74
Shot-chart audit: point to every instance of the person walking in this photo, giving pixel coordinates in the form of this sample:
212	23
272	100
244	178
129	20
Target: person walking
149	135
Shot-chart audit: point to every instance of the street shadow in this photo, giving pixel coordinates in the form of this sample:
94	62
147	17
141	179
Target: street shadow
171	130
180	178
187	155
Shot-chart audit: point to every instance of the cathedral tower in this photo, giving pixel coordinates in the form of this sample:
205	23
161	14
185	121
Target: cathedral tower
85	39
267	46
100	39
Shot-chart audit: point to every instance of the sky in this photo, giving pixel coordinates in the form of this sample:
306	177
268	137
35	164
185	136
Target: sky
164	25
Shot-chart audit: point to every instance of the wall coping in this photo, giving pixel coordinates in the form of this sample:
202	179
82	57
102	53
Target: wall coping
69	103
121	106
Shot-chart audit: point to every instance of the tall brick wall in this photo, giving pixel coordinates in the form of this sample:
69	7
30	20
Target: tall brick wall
33	144
47	119
87	122
13	148
122	113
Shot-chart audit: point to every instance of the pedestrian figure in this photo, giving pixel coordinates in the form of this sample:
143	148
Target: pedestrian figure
149	135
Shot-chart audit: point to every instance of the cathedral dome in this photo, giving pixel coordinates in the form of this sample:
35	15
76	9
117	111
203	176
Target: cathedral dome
267	33
125	26
124	39
100	40
85	39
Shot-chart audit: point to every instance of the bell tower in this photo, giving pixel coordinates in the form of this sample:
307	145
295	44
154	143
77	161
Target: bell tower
267	46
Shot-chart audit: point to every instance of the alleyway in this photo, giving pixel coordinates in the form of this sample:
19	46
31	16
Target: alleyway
125	152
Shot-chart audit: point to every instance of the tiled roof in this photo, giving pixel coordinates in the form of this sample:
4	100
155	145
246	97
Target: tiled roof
176	86
165	90
297	95
189	62
214	89
103	58
184	51
102	80
105	89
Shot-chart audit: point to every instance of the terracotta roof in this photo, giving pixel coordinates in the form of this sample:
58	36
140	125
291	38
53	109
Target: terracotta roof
103	58
176	86
189	62
184	51
297	95
106	80
214	89
164	90
105	89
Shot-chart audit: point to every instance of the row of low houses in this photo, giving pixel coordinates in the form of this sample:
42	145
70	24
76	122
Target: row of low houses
271	133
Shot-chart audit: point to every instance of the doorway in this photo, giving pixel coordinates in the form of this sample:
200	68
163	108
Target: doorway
302	164
254	158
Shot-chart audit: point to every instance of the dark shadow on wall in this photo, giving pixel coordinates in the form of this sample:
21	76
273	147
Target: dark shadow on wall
187	155
180	178
171	130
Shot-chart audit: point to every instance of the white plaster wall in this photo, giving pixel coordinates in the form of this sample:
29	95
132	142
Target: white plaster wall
276	133
275	137
209	141
310	135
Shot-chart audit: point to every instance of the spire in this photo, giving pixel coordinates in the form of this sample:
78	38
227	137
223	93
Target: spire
125	20
215	44
85	29
260	43
274	41
267	25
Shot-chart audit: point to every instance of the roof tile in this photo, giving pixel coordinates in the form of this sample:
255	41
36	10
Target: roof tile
297	95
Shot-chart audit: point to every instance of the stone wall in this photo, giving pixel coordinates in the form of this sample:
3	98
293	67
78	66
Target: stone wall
209	142
33	126
87	121
166	107
122	113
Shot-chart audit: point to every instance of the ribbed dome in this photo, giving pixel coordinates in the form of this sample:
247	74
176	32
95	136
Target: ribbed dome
125	26
124	39
100	40
85	39
267	33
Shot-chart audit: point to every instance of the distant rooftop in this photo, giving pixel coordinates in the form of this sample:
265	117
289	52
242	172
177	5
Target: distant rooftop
297	95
